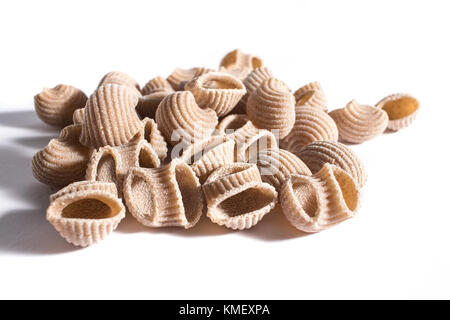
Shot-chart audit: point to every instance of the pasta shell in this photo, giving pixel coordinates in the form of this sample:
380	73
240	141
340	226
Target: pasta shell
311	124
316	154
251	140
180	76
167	196
63	160
151	133
277	165
86	212
401	109
231	123
239	59
180	119
218	91
236	196
358	123
110	118
238	72
272	107
111	164
313	203
148	104
120	78
255	79
55	106
311	95
157	84
78	116
207	155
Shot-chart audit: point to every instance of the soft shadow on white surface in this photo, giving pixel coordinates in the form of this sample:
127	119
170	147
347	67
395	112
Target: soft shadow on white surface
24	119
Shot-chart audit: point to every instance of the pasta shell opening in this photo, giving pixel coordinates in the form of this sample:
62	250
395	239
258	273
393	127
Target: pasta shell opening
94	208
107	169
246	202
348	189
400	108
189	189
306	196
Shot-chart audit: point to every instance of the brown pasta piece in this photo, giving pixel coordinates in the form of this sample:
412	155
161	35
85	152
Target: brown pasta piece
110	118
272	107
311	95
316	154
148	104
231	123
180	119
78	116
151	133
85	212
277	165
313	203
157	84
255	79
311	124
180	76
239	59
55	106
401	109
239	72
120	78
217	91
358	123
236	196
63	160
167	196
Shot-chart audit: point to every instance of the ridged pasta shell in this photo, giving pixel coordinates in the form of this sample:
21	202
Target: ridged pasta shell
55	106
86	212
231	123
217	91
277	165
311	95
272	107
63	160
78	116
120	78
358	123
313	203
111	164
180	119
110	118
237	58
180	76
206	156
251	140
151	133
148	104
255	79
311	124
236	196
401	109
316	154
239	72
167	196
157	84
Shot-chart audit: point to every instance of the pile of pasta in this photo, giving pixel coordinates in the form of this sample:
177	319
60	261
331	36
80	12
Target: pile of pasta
233	143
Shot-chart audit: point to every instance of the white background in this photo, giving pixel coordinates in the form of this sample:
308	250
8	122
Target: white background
398	245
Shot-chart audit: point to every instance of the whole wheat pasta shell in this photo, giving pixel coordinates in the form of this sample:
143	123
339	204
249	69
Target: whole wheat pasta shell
110	118
401	109
239	72
180	119
55	106
156	84
316	154
251	140
85	212
311	95
272	107
111	164
239	59
152	135
209	154
313	203
167	196
255	79
148	104
231	123
179	76
78	116
120	78
63	160
236	197
277	165
311	124
217	91
358	123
